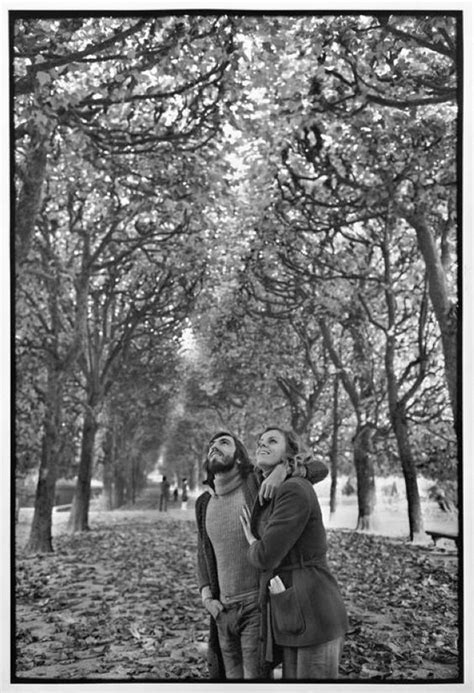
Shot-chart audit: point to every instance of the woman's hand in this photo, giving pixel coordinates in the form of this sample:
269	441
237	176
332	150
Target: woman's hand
245	522
272	482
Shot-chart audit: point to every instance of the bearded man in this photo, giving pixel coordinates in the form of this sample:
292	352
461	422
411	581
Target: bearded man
228	583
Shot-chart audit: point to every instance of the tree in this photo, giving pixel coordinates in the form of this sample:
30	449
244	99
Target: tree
396	400
61	351
404	79
134	418
363	435
123	84
375	119
87	89
138	289
335	446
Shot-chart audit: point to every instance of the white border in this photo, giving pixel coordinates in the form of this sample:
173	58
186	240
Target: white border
468	301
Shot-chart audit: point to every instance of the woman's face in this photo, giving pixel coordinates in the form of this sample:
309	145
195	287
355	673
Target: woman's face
271	449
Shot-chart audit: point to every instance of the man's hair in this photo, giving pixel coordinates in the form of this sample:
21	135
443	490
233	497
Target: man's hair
241	456
298	456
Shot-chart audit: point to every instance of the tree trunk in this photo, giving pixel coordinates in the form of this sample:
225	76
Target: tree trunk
40	539
133	478
78	518
107	484
364	465
334	447
400	427
444	309
29	198
140	478
363	457
109	448
118	490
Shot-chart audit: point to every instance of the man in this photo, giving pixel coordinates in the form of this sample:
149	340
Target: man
184	493
164	494
227	581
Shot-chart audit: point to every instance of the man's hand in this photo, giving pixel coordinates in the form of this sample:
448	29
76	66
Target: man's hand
213	606
273	482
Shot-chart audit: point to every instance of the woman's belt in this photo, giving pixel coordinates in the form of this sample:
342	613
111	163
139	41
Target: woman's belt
311	562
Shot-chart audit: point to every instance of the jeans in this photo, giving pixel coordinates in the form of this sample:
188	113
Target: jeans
314	662
238	628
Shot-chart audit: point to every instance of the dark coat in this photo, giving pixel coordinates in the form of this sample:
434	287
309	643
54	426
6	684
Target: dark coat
207	568
292	545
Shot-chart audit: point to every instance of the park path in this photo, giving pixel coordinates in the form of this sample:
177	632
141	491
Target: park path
146	508
390	517
121	602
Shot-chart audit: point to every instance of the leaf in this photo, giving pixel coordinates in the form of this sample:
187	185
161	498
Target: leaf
135	632
43	78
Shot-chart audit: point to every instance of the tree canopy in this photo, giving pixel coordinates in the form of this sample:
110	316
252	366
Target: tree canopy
221	217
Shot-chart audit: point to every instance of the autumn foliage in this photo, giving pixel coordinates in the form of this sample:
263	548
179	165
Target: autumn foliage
122	603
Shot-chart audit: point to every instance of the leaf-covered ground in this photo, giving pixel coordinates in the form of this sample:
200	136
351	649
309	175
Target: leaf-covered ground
121	602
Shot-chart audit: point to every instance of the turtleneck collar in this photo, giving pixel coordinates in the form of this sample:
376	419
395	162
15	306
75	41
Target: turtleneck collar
225	482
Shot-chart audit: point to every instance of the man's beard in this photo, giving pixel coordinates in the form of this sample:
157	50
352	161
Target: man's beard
217	463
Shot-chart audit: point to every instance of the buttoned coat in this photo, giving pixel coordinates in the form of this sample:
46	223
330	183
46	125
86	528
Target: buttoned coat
292	544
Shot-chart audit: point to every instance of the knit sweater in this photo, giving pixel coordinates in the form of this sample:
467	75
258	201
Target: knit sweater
236	575
207	569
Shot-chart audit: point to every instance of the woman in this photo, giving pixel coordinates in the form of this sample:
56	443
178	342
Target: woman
307	617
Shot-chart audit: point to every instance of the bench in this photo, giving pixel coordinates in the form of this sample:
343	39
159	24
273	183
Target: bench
440	534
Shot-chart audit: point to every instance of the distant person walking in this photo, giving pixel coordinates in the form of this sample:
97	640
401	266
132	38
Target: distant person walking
184	493
164	494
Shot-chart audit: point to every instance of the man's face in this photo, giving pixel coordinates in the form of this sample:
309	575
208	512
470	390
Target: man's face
221	454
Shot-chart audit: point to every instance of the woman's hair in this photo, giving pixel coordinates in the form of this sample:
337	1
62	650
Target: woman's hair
297	455
241	456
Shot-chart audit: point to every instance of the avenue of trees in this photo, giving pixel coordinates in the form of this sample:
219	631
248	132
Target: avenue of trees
227	220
